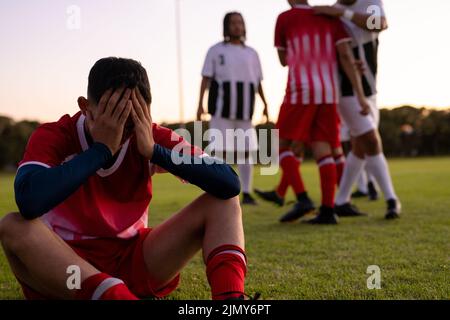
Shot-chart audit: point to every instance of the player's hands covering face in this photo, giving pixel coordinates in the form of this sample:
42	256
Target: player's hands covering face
142	119
106	122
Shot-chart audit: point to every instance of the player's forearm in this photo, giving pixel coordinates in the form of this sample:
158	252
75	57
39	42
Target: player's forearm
203	87
282	57
348	65
261	94
217	179
39	189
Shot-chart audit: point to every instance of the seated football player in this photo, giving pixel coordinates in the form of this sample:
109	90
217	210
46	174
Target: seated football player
83	191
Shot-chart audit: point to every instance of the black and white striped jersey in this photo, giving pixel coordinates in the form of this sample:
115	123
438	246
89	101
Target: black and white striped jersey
365	47
235	72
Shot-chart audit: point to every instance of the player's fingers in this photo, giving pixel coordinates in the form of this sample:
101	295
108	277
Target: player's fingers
122	104
89	116
134	116
137	106
143	104
126	113
112	103
104	100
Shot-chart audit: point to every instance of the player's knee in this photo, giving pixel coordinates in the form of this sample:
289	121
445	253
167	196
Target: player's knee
372	143
231	205
12	229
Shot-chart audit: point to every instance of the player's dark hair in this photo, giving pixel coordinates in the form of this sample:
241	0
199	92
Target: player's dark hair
226	26
113	73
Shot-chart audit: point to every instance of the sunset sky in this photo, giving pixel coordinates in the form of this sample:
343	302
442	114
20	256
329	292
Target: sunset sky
45	64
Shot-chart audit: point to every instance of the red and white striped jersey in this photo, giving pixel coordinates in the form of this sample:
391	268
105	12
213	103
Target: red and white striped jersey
310	41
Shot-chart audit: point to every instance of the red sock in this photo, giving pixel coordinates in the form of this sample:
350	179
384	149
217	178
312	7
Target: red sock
104	287
328	178
290	166
340	163
226	267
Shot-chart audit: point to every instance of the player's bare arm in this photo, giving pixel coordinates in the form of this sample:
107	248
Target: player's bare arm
360	19
347	61
206	82
282	57
263	98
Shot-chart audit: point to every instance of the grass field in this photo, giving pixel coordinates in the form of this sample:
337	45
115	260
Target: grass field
299	261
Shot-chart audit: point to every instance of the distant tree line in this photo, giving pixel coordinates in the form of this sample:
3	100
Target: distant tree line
406	132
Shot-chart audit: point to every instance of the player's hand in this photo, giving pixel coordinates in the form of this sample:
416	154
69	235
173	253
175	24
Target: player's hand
365	106
200	112
329	11
107	121
142	125
266	113
361	66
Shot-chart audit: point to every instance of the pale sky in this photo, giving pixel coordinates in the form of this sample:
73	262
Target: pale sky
44	64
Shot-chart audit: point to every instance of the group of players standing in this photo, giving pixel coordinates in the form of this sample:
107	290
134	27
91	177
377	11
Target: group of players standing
331	53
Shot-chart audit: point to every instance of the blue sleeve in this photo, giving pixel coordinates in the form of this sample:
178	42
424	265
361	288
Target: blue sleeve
217	179
39	189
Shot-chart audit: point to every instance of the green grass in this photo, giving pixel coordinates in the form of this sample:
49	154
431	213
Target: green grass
298	261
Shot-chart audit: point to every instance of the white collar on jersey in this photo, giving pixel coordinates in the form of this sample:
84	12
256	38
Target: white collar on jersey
302	6
84	146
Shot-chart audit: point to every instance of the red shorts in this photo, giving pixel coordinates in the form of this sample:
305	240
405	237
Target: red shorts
309	123
119	258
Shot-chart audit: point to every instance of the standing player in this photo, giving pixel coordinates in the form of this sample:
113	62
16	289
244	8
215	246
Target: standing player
309	44
83	189
232	73
364	19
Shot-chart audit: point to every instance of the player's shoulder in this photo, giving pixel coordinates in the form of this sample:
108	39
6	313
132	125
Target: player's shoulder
286	14
251	49
161	133
60	129
219	46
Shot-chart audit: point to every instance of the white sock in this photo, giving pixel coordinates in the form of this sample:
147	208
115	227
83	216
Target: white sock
362	181
352	169
378	167
246	174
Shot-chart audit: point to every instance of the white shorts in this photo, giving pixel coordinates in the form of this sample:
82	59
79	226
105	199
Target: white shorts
232	135
344	132
357	124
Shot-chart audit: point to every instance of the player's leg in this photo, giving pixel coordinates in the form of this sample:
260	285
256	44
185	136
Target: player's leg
378	167
207	223
339	159
359	126
338	150
246	146
277	196
292	124
290	163
328	179
39	259
361	186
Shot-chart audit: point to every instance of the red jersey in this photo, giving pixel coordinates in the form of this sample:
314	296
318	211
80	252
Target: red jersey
310	41
112	203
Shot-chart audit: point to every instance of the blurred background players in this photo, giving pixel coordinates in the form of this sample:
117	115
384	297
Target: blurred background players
364	19
309	45
232	73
